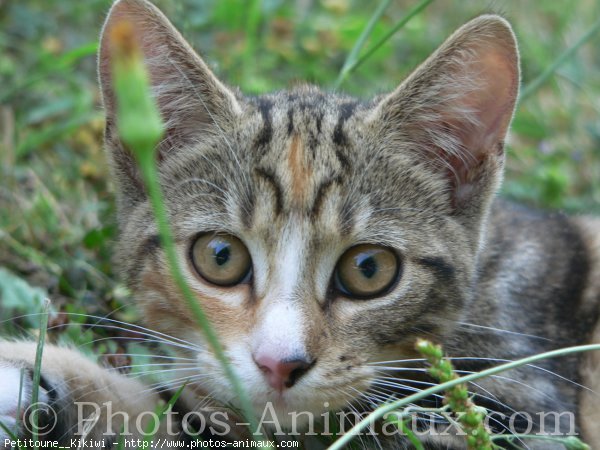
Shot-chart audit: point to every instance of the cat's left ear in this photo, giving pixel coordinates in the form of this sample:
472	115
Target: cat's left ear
454	111
193	103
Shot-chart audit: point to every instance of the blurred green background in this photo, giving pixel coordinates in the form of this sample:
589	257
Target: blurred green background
57	222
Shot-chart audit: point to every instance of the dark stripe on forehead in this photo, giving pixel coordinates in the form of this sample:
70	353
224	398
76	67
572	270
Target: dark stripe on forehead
318	121
290	127
313	143
346	110
339	137
271	179
321	193
266	133
342	158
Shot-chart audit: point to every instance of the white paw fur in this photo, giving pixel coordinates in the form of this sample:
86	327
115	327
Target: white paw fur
9	396
15	396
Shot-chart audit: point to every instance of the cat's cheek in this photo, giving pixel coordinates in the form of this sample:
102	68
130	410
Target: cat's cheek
163	306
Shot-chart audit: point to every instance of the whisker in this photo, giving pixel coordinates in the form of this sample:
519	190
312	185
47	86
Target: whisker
402	369
533	366
176	383
473	358
165	364
159	371
491	397
396	361
500	330
135	339
142	355
136	328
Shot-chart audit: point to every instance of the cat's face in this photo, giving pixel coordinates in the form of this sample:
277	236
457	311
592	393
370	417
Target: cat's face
320	234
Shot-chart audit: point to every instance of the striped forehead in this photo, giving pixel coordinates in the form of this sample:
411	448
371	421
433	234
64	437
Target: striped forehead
302	149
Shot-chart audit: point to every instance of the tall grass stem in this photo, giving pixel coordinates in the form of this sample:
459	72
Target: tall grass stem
354	61
536	83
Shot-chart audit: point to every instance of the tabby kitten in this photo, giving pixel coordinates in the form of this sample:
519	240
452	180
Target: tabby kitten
323	235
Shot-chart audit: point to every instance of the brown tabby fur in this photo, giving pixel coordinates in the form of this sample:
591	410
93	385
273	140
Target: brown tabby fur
302	175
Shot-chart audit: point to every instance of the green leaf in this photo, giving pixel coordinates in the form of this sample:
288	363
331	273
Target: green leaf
19	297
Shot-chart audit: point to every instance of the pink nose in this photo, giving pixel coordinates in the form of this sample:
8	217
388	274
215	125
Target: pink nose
282	374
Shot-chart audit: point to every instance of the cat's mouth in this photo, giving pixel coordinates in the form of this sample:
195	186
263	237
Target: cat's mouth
296	408
304	405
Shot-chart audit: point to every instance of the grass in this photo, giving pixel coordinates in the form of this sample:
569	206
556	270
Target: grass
37	369
57	223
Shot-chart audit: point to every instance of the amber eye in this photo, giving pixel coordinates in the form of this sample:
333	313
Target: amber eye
221	259
366	271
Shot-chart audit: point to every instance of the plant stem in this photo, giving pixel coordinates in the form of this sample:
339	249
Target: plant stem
391	407
414	440
413	12
148	170
37	371
349	64
352	64
562	58
471	418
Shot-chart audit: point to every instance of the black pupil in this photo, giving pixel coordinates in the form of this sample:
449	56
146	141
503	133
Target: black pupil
222	253
367	265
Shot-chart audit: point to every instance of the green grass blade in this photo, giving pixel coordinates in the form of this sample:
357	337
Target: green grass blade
53	132
62	65
252	29
73	56
412	13
37	370
360	42
414	440
122	438
535	84
160	414
10	434
19	403
351	66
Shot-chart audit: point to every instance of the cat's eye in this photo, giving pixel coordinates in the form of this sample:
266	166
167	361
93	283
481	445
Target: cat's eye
366	271
221	259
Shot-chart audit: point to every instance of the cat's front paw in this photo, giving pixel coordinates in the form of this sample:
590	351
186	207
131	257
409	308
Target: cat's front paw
15	397
16	389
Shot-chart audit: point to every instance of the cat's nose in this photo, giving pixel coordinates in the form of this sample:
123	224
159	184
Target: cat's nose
282	374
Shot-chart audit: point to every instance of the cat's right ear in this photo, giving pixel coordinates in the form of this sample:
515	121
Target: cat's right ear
193	103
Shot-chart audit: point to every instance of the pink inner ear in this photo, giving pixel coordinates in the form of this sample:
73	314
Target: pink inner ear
478	119
473	111
493	101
